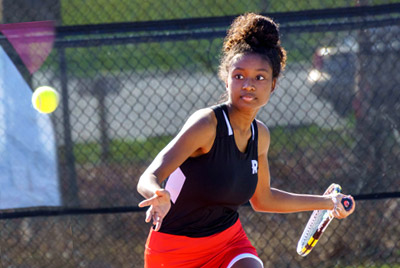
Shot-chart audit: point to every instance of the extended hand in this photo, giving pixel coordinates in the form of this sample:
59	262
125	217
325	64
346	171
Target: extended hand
160	204
339	211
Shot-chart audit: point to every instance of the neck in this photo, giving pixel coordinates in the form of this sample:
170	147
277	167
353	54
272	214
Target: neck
240	120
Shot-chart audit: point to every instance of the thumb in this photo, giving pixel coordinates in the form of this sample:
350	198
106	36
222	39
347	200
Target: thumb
149	201
161	192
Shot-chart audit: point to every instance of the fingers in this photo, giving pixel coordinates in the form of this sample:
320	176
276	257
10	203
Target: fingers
149	214
340	211
157	220
157	197
144	203
159	205
147	202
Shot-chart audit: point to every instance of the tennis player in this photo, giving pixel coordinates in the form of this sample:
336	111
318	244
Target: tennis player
218	161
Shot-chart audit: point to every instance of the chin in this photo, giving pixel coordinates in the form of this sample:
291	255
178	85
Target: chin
249	105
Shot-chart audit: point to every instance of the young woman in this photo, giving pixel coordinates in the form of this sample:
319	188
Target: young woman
218	161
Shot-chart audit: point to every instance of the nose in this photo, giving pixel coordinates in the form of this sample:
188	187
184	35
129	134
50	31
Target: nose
248	85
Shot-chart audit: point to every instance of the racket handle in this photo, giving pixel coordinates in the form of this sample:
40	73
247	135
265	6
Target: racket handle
347	203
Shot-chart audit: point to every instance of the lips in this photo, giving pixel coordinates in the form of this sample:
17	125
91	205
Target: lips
247	97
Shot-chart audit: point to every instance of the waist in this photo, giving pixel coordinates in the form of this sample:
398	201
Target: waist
164	241
199	223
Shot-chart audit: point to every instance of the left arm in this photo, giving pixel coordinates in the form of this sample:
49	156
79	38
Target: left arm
267	199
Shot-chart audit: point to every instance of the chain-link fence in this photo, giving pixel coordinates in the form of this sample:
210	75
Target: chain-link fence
131	72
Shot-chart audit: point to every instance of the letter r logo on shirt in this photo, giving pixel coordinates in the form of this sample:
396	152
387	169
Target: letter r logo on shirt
254	166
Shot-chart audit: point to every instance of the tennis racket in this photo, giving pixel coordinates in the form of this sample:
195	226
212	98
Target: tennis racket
318	222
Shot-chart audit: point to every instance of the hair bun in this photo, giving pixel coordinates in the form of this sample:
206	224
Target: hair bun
262	31
253	33
255	30
263	37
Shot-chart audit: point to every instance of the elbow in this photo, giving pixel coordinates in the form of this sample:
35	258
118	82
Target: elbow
264	204
257	207
265	209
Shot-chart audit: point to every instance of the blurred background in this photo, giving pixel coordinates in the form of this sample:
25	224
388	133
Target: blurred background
130	73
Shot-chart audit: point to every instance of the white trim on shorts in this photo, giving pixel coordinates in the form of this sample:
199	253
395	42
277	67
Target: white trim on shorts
243	256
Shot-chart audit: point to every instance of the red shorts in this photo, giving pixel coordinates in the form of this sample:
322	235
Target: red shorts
218	250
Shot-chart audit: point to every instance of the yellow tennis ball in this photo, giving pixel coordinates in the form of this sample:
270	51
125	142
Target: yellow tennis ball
45	99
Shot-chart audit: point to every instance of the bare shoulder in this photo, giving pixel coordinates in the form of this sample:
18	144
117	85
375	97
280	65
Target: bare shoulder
200	130
263	138
203	119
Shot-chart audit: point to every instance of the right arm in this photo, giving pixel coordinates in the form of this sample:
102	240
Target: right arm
268	199
195	138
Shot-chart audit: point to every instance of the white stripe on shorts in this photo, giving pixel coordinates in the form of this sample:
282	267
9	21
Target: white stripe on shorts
242	256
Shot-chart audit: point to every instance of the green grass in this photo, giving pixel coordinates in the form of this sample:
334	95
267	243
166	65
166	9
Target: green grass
121	151
311	136
282	138
375	266
165	56
75	12
196	54
87	62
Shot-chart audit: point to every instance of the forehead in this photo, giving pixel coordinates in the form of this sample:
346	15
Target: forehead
250	61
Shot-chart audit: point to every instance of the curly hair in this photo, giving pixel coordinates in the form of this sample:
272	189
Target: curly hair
253	33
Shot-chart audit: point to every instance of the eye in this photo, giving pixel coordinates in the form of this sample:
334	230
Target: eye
238	76
260	77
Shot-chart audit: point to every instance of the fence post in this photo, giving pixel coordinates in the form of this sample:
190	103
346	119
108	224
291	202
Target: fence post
69	181
368	125
100	92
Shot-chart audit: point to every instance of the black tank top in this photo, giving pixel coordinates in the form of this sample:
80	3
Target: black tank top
206	191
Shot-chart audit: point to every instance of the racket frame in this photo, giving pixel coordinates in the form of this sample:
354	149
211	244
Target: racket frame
316	225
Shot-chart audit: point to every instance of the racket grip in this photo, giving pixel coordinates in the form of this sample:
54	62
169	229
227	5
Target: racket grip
347	203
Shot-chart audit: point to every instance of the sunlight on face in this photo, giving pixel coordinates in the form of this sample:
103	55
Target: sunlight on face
250	81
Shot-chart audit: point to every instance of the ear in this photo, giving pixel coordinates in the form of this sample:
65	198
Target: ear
273	85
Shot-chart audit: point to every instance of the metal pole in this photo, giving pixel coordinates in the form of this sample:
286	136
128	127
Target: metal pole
68	178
